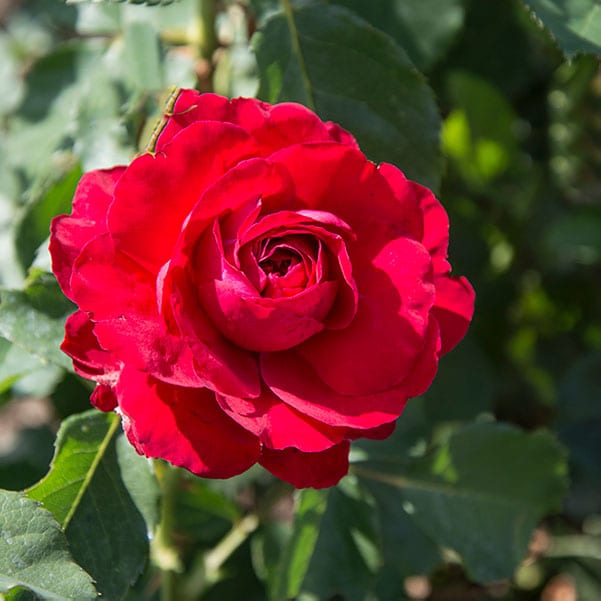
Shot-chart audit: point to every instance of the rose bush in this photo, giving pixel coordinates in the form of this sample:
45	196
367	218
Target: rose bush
256	290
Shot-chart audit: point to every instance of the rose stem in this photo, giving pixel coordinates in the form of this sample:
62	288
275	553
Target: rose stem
206	36
164	552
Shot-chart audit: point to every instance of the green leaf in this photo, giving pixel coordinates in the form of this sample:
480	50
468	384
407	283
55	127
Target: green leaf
297	555
26	375
411	24
33	228
347	556
325	57
139	479
481	147
34	318
96	485
143	56
481	493
334	547
406	548
575	24
34	555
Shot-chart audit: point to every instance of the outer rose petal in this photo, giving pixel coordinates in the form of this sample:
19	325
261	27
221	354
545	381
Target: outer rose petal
453	309
408	196
104	398
279	426
343	182
304	470
90	360
229	369
156	193
273	127
425	366
108	284
391	269
293	380
143	343
69	233
376	350
184	426
436	228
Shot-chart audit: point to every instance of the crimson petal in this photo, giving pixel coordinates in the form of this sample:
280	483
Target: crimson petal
280	426
184	426
308	470
69	233
156	193
294	381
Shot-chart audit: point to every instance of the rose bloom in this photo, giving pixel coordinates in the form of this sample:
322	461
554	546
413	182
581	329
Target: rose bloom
256	290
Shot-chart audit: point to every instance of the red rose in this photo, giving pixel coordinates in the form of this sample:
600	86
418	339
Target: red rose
256	290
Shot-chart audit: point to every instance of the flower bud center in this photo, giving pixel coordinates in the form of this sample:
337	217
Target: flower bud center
279	262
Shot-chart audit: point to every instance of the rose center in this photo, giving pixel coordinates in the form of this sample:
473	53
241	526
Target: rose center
279	262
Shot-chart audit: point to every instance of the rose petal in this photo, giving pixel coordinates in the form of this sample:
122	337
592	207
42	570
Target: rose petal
293	380
454	308
90	360
107	284
69	233
192	106
308	470
409	196
436	228
184	426
338	134
273	126
344	183
156	193
424	368
280	426
143	343
226	368
332	231
247	186
103	398
376	351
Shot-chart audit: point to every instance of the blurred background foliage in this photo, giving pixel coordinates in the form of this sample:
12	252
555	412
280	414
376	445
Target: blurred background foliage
468	500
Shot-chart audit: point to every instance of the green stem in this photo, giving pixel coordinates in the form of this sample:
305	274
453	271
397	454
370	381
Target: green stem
215	558
205	30
164	552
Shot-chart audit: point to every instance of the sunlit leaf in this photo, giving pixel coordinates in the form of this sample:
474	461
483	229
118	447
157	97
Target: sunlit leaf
98	484
143	56
481	494
34	554
34	318
347	553
297	555
575	24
